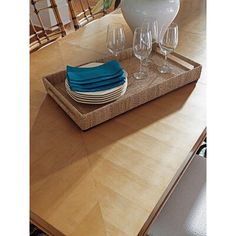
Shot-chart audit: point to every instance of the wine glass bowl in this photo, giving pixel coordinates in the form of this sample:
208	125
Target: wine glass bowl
151	24
115	38
168	42
142	47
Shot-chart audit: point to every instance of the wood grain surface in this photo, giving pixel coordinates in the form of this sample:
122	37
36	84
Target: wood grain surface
113	179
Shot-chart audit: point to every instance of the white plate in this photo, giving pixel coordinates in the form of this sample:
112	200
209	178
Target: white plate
96	99
76	94
85	101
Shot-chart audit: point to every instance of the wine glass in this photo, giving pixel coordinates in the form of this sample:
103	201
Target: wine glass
151	23
142	47
115	38
168	42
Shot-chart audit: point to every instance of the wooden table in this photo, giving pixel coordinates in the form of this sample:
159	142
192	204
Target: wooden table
113	179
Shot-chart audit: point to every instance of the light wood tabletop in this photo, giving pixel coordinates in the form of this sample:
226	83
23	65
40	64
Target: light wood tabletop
114	178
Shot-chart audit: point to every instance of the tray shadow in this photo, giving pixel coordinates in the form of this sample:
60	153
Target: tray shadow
56	142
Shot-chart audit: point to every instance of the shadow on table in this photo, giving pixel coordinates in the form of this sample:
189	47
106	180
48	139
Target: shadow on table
57	142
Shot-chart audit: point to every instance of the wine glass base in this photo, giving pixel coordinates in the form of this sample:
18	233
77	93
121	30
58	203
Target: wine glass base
140	75
147	62
164	69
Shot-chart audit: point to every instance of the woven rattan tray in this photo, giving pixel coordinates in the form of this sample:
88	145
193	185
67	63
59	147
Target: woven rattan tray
138	92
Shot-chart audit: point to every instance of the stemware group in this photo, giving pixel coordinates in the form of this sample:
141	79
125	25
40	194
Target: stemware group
143	40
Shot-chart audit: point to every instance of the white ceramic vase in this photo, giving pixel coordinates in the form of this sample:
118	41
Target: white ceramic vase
134	12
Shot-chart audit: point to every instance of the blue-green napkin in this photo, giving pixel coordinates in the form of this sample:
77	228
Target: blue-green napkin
74	86
100	88
105	71
106	76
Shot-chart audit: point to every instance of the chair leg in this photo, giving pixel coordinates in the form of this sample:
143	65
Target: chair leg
58	18
73	15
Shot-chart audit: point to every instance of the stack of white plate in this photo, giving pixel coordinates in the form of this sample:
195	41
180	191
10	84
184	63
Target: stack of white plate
99	97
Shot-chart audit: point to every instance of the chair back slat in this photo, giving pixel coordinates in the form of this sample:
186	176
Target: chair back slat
58	18
81	12
73	15
41	35
34	33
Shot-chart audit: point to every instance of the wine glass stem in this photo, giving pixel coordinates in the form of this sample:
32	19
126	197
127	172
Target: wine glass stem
165	62
141	66
114	55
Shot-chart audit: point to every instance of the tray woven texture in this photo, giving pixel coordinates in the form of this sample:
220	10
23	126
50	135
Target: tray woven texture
184	71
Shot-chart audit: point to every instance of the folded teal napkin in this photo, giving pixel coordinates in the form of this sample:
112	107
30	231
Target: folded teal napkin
106	76
101	88
105	71
75	86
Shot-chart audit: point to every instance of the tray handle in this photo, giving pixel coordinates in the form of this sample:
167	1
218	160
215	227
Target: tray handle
62	101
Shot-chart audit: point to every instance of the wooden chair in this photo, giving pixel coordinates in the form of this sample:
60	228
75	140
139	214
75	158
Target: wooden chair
81	12
41	35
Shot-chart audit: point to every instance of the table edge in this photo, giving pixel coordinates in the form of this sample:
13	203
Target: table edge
157	209
44	226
